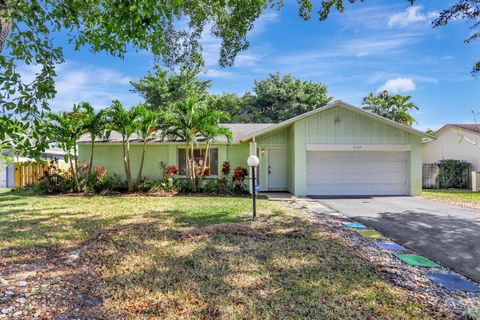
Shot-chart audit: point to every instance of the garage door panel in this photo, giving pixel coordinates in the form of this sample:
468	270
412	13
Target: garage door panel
357	173
359	178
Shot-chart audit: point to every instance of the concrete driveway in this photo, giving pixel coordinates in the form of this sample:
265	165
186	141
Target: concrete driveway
447	234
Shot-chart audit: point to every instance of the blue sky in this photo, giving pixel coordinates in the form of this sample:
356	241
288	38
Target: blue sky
374	45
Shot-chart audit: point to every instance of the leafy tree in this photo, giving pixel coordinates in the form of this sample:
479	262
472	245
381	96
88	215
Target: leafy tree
95	124
66	128
185	121
210	131
124	122
394	107
163	88
146	124
241	109
28	28
467	10
281	98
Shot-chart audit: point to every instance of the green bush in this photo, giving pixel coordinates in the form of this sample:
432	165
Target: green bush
453	173
54	183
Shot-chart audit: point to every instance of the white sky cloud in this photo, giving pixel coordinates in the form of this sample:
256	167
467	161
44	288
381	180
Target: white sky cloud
398	85
411	15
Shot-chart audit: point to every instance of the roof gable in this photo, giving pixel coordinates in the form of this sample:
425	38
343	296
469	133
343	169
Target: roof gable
470	127
348	106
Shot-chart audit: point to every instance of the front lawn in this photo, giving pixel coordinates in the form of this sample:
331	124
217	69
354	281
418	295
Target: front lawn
200	258
462	197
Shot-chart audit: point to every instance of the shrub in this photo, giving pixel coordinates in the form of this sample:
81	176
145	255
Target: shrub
226	168
453	173
54	180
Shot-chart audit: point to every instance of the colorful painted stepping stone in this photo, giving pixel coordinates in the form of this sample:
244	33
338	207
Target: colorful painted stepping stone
390	246
416	260
354	225
453	282
370	234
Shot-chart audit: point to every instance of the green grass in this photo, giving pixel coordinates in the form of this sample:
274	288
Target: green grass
453	195
203	258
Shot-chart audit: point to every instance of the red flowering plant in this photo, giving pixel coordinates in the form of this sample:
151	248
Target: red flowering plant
239	174
226	168
171	171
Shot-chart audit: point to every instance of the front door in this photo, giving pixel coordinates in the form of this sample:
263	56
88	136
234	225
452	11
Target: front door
277	169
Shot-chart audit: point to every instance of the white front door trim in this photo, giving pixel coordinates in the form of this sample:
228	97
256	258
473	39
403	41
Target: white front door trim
359	147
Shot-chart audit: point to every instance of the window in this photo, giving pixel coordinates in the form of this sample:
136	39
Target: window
199	156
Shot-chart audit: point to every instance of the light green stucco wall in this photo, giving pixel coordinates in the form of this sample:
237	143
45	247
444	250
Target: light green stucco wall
110	156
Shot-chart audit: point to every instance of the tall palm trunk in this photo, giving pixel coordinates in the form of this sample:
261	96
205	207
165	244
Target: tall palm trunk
126	162
204	167
74	165
192	169
139	176
92	147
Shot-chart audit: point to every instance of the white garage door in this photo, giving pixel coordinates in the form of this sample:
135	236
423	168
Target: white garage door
357	173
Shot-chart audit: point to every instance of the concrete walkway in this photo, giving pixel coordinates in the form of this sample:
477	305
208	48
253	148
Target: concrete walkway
444	233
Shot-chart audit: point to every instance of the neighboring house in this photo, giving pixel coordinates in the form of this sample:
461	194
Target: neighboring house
7	170
448	145
337	149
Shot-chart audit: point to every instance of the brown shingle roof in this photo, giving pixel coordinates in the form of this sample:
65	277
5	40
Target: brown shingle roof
239	130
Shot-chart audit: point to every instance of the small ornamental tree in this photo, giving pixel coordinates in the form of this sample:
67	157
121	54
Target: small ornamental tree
66	128
123	121
95	125
146	124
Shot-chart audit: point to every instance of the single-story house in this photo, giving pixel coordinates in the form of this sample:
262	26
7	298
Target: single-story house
448	145
337	149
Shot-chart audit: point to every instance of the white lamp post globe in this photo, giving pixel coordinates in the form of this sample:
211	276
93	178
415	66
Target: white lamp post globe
253	161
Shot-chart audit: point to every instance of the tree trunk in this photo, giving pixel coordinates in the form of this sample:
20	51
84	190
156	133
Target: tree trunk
89	172
5	26
192	170
129	172
205	158
74	173
75	169
139	176
125	164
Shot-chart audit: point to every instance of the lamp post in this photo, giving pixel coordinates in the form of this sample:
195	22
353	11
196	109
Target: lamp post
253	162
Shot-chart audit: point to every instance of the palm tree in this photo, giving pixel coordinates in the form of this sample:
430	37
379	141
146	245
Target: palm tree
95	124
394	107
184	121
66	129
146	124
211	130
123	121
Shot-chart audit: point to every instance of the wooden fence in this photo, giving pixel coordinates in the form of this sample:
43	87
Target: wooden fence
27	173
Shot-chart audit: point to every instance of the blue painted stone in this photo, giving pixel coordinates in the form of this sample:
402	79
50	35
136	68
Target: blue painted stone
355	225
453	282
390	246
